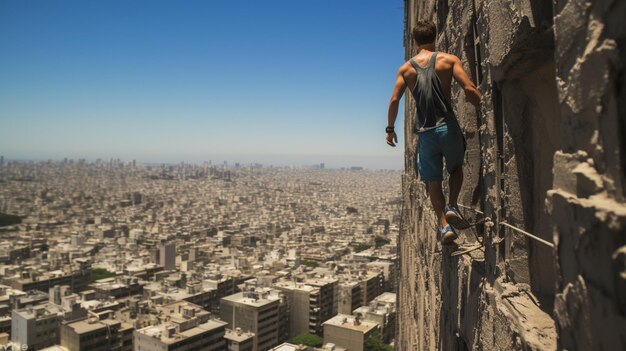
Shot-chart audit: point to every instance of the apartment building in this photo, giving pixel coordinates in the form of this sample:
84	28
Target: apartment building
324	301
348	331
371	283
381	310
257	311
207	336
93	334
77	280
117	287
225	285
389	273
183	326
36	326
311	303
167	256
349	297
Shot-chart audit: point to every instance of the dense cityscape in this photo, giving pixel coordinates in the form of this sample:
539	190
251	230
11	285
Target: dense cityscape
112	255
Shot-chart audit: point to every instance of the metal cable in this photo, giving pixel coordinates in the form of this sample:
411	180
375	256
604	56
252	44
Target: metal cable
528	234
532	236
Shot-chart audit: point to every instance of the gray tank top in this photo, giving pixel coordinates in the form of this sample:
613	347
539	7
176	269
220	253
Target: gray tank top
433	109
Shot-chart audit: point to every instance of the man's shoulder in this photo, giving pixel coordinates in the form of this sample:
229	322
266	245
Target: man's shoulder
407	64
447	56
405	67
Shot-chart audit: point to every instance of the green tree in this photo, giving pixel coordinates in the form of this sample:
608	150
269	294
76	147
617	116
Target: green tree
380	241
7	219
375	343
309	263
100	273
183	280
308	340
351	210
361	247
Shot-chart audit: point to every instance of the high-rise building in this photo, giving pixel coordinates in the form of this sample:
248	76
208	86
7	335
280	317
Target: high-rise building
310	304
155	255
300	306
258	311
167	255
326	301
389	273
371	285
349	297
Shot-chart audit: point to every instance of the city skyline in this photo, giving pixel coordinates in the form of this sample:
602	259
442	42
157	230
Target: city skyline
163	83
335	162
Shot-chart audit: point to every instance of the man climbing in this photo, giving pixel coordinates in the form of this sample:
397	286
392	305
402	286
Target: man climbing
429	77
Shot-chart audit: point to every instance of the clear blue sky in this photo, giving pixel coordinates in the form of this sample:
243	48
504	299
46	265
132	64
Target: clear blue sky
289	81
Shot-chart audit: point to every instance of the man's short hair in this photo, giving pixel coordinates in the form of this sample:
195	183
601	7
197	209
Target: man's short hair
424	32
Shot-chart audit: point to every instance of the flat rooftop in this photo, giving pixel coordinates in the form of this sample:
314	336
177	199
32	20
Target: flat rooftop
287	347
295	286
386	297
160	331
84	326
239	298
232	335
38	312
347	322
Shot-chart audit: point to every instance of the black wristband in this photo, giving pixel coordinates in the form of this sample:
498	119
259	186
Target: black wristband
389	130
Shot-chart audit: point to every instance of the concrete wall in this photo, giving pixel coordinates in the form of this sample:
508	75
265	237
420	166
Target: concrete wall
245	317
547	154
20	328
299	308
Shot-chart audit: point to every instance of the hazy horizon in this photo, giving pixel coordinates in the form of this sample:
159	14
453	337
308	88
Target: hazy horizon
374	162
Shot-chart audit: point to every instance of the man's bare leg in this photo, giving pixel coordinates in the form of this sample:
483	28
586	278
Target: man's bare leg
446	234
438	201
455	182
453	216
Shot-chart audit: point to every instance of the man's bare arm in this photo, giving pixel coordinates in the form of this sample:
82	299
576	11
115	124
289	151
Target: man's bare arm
472	94
392	113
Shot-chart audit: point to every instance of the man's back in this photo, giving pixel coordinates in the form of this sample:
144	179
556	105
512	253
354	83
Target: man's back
444	68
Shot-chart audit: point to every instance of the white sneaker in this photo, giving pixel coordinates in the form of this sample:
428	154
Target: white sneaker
447	235
455	219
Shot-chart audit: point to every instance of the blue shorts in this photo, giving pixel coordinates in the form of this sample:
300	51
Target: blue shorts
438	143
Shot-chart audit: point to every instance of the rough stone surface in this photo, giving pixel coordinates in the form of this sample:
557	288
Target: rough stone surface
547	154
